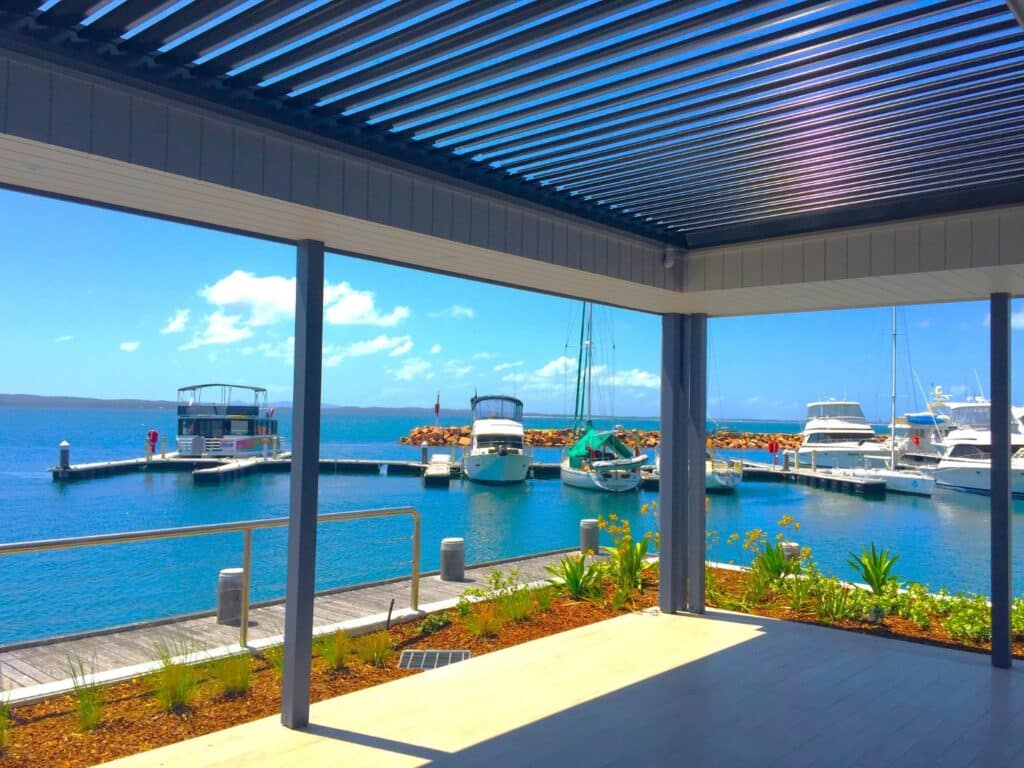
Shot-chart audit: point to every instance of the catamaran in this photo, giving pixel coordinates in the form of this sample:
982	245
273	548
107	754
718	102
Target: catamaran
225	420
598	459
496	453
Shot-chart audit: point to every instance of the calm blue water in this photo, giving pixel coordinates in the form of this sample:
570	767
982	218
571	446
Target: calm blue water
942	541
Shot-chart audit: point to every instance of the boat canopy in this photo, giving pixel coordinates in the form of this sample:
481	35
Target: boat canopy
497	407
833	409
594	444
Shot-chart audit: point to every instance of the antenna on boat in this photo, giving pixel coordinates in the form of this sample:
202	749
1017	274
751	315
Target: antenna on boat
981	390
892	418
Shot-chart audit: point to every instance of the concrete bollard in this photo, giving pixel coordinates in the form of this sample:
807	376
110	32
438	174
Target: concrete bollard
453	559
785	462
65	454
163	447
814	461
148	448
423	452
588	536
790	549
229	596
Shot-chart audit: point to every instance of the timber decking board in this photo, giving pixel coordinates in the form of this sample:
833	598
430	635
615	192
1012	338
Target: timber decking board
49	662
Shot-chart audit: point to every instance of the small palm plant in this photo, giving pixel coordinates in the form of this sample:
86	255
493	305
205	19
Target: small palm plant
874	566
574	576
334	649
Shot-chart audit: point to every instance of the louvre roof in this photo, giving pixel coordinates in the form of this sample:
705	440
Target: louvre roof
695	122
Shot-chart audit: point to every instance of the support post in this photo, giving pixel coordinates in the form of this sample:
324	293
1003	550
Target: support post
301	583
1000	500
672	499
695	357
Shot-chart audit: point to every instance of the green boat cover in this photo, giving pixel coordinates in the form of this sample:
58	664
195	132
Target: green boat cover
597	445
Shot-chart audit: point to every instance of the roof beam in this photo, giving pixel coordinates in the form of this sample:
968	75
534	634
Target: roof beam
1017	7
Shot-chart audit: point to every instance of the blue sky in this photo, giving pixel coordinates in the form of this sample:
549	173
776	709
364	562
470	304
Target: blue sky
104	304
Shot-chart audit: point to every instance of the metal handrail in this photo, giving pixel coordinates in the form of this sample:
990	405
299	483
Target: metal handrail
246	527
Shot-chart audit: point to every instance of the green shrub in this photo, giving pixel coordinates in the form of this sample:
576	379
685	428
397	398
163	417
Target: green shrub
542	597
274	656
334	649
88	698
834	603
772	563
574	576
232	674
516	606
484	621
375	649
1017	618
914	603
628	561
797	590
434	622
6	725
174	684
969	619
874	567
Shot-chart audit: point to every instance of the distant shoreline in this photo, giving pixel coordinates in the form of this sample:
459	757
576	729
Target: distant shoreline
61	401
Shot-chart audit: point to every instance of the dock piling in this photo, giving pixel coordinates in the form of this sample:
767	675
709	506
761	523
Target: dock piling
64	461
229	595
588	536
453	559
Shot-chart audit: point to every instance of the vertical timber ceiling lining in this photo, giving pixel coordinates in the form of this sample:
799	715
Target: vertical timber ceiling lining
694	123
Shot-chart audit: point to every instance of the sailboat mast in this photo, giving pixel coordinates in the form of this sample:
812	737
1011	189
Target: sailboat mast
892	419
590	365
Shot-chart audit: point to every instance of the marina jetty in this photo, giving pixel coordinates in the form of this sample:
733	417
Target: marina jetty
559	438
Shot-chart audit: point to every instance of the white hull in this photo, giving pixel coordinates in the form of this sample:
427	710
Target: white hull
720	477
976	477
610	476
837	457
246	446
912	483
495	468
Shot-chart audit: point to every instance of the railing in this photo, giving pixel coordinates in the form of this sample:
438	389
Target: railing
246	528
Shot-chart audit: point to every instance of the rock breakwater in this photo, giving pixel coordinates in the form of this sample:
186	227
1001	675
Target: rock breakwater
558	438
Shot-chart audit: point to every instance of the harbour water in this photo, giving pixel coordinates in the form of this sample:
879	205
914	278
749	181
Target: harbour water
942	541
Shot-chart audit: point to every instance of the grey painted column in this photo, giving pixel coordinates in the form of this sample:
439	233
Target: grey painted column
1001	498
695	365
298	606
672	499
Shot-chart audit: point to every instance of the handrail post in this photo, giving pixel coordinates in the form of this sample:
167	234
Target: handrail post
243	627
414	588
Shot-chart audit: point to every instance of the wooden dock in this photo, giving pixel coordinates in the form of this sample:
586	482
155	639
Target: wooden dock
822	479
212	470
27	667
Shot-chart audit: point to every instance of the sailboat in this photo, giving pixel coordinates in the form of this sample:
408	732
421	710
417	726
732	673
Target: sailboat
898	481
597	460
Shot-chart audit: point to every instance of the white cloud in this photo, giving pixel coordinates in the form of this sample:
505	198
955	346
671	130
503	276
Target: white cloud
344	305
436	349
220	329
924	324
62	339
278	350
129	346
507	366
484	355
456	369
414	367
263	300
557	367
634	377
177	323
455	311
395	346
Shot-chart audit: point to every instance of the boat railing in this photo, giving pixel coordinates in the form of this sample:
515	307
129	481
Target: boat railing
246	528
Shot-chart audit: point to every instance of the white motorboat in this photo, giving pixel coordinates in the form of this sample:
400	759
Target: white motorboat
225	420
837	436
966	463
597	460
496	453
906	481
721	476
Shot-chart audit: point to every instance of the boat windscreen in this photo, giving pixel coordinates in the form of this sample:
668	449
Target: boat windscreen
847	411
497	408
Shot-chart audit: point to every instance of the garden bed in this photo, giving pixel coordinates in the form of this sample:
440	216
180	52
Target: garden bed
133	720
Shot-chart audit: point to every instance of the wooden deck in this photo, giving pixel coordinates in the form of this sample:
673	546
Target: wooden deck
32	670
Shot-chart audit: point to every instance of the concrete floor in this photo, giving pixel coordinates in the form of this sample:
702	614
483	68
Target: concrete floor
648	689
